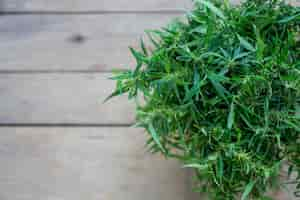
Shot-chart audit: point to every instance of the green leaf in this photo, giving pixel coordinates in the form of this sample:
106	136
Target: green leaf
220	168
248	190
231	116
138	57
241	55
197	166
215	80
151	38
290	18
266	198
260	45
297	115
246	44
143	47
114	94
266	112
155	137
290	171
200	29
295	126
219	91
212	7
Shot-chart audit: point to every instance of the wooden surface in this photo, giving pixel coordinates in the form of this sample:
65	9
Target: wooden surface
70	98
58	141
100	5
85	164
94	5
49	42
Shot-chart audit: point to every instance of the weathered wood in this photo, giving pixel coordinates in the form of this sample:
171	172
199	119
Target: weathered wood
93	5
85	164
85	42
99	5
61	99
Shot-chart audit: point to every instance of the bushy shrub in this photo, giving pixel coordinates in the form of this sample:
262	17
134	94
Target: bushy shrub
221	92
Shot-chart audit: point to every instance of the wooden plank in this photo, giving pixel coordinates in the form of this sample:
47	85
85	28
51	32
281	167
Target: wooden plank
99	5
93	5
61	99
88	163
84	42
85	163
49	98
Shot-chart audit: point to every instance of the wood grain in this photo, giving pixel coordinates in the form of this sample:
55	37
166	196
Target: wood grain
61	99
85	163
76	42
93	5
73	42
88	163
99	5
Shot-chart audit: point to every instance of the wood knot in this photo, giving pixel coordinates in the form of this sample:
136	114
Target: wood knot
77	38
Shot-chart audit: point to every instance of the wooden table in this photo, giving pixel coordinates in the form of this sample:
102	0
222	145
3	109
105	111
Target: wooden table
58	140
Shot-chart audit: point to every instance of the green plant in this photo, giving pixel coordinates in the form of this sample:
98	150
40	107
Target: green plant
221	92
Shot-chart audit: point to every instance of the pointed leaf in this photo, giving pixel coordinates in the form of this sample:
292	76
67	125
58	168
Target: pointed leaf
290	171
215	80
246	44
231	116
290	18
143	47
197	166
248	190
155	137
212	7
220	168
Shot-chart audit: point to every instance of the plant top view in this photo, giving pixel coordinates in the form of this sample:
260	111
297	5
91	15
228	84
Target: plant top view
220	90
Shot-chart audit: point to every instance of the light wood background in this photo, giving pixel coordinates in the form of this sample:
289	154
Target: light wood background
57	140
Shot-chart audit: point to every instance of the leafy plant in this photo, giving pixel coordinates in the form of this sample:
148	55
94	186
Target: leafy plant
221	92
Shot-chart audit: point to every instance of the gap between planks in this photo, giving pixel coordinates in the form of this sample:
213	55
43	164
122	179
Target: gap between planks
86	163
45	43
100	12
54	71
65	125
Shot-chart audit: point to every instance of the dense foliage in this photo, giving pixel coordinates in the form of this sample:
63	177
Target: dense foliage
221	92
